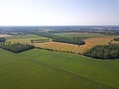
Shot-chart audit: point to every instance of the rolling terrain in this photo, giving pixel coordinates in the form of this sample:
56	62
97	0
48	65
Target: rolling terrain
33	70
42	69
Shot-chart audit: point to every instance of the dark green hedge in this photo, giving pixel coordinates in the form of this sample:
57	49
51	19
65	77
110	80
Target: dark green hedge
40	40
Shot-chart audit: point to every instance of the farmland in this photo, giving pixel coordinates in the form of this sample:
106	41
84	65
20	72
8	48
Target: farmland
81	35
24	38
35	59
33	70
90	42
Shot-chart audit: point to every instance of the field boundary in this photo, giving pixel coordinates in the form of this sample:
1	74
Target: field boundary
67	52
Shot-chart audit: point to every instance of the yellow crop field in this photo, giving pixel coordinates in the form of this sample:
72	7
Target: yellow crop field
91	42
115	42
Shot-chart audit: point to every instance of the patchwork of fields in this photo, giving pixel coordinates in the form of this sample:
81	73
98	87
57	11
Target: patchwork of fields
24	38
34	70
42	69
90	42
93	40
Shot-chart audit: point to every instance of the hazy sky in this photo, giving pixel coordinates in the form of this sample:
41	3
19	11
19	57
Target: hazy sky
59	12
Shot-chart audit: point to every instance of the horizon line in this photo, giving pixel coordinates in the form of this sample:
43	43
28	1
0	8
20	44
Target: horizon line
49	25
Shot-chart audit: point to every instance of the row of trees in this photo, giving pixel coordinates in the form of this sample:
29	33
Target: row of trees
116	39
56	50
104	52
40	40
16	48
74	40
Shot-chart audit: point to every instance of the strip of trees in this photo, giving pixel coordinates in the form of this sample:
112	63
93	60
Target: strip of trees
104	52
116	39
74	40
40	40
16	48
56	50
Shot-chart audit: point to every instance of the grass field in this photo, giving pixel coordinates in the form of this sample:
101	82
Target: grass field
34	70
81	35
24	38
90	42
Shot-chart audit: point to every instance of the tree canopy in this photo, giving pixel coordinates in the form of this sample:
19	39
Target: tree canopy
74	40
104	52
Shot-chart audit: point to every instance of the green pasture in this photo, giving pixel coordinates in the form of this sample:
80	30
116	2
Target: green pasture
41	69
105	72
24	38
81	35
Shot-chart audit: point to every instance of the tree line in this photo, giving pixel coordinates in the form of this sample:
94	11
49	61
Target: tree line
40	40
104	52
16	48
74	40
116	39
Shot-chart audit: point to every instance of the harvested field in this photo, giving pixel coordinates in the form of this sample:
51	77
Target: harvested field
5	35
91	42
115	42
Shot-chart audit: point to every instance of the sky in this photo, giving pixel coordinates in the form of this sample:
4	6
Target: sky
58	12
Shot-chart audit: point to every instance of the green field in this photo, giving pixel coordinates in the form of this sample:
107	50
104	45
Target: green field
24	38
81	35
41	69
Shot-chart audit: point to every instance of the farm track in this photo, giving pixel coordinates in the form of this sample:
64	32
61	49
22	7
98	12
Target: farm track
63	71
